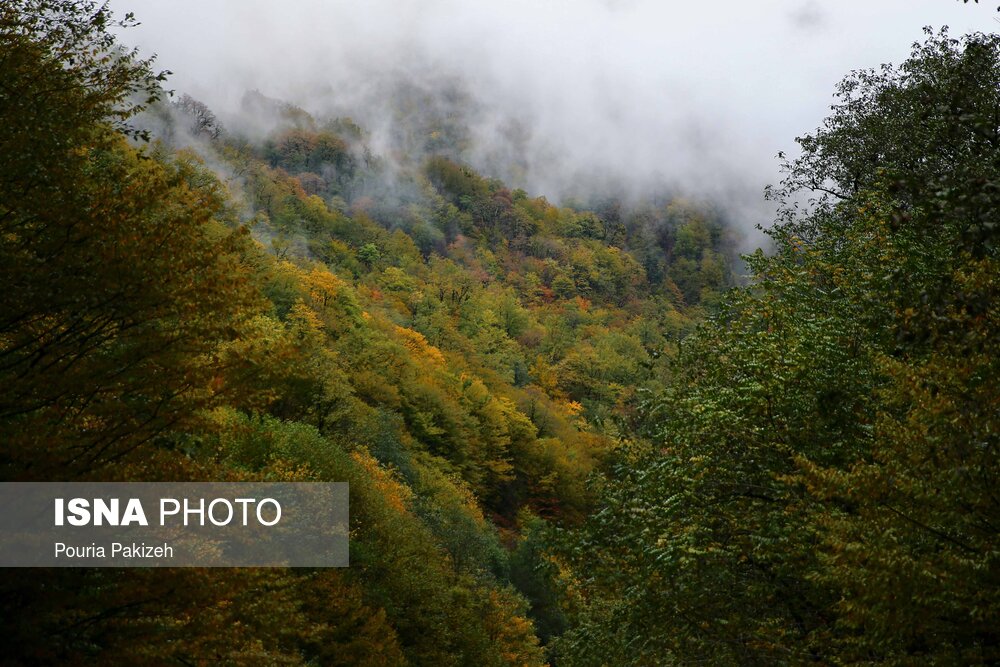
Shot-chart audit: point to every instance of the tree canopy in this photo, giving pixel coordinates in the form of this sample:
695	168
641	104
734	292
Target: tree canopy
820	483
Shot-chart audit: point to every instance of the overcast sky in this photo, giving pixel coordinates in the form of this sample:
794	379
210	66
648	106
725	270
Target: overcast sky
695	93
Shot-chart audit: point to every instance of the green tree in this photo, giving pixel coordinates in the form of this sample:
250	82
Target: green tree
369	254
821	483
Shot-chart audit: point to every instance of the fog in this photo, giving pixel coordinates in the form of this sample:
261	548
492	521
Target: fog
560	96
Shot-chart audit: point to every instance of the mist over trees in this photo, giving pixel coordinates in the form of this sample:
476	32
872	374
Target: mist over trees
574	435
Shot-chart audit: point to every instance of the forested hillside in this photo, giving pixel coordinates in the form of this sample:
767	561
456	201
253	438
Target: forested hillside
572	436
292	306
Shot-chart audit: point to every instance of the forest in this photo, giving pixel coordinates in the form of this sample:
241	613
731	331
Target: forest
577	433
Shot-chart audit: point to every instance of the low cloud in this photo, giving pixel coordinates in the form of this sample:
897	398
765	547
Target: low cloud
557	97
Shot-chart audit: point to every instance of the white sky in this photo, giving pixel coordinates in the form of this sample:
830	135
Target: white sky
701	94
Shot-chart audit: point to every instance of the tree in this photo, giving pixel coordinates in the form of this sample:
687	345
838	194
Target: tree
369	254
203	120
821	480
61	57
121	275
